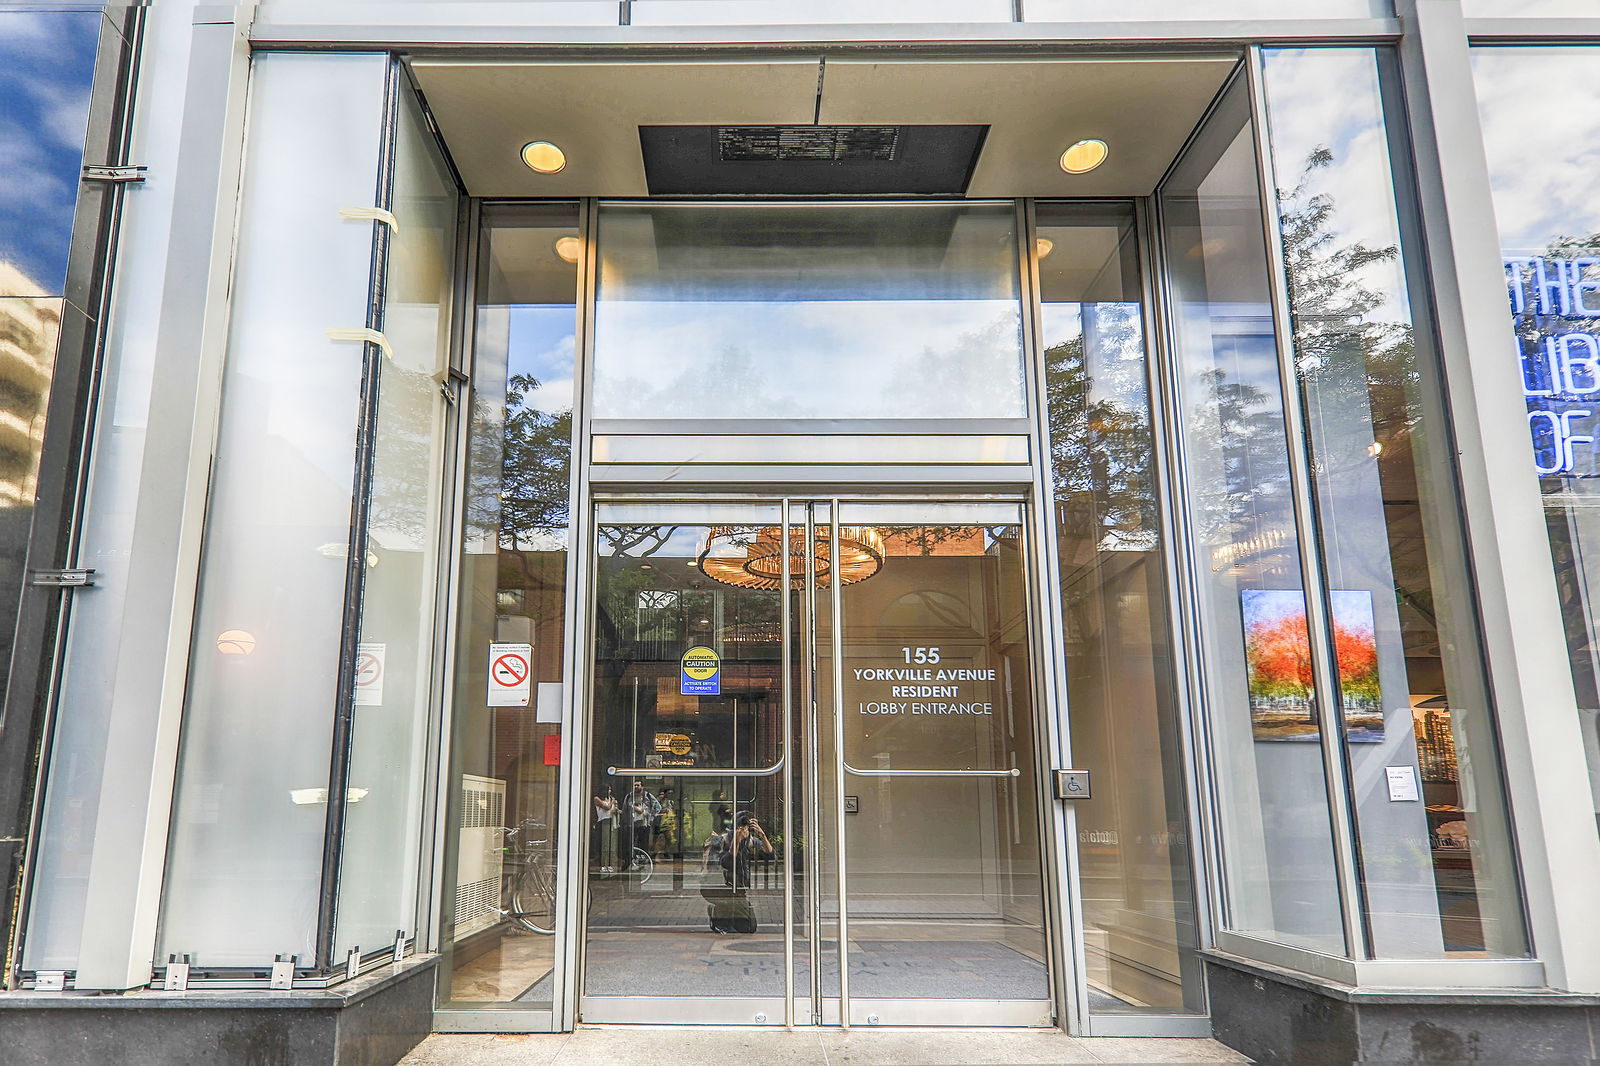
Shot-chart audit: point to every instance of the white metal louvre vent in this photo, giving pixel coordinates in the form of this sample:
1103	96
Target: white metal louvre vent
832	144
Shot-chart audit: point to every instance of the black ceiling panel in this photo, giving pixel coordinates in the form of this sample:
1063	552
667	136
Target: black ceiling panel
810	160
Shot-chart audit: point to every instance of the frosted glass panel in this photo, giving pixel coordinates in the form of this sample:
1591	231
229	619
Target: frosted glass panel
814	12
383	829
1178	11
1530	8
247	833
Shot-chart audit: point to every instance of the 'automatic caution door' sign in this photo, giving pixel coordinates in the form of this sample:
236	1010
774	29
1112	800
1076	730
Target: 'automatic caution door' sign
700	673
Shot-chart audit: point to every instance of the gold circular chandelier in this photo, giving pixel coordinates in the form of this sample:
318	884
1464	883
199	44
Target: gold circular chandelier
751	557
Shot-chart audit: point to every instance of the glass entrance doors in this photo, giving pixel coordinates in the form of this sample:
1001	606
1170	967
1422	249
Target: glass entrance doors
814	793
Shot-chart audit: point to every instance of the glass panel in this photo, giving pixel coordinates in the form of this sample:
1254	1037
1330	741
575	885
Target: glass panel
1435	847
29	328
1133	841
942	875
47	63
808	311
1279	879
78	748
1519	9
814	12
1169	11
383	834
1541	162
677	857
506	750
250	805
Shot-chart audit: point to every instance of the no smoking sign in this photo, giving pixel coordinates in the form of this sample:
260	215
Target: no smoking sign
510	675
369	674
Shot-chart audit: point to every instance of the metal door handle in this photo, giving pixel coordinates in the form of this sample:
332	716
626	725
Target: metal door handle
687	771
1013	772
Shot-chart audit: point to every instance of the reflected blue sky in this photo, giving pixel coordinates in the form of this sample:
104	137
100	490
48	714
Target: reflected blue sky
544	345
46	68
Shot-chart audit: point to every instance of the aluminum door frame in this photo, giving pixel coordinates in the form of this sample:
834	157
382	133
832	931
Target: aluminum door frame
820	1009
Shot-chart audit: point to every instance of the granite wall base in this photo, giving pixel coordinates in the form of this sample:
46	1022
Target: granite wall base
372	1021
1277	1017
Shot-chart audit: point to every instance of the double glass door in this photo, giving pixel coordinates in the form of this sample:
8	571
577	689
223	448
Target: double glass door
815	798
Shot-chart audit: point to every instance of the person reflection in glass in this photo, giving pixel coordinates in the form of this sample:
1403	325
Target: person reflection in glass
638	822
748	842
605	812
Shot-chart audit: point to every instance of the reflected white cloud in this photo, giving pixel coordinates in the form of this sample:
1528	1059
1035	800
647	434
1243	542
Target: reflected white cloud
46	67
1543	148
1329	98
814	359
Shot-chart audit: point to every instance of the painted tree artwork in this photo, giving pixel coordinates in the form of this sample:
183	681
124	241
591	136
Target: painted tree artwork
1278	665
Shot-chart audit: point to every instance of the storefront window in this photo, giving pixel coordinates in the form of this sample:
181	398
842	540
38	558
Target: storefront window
506	751
1435	855
1279	879
808	311
1133	838
1542	162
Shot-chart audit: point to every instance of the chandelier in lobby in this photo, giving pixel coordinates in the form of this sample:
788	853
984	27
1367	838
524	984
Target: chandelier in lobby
751	557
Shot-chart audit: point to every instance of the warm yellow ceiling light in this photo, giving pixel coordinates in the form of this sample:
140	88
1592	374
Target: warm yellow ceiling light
543	157
1083	156
568	248
1044	246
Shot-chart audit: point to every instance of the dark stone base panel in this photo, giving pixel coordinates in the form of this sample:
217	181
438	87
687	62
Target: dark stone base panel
1279	1018
373	1021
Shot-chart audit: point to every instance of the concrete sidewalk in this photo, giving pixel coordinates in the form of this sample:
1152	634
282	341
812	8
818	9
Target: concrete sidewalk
627	1046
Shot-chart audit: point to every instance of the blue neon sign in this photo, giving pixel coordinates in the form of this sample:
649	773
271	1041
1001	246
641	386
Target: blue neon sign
1555	307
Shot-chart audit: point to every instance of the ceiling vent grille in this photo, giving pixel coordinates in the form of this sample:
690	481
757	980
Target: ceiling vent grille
828	144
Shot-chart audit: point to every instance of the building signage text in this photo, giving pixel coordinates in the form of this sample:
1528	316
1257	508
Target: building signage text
1555	306
913	690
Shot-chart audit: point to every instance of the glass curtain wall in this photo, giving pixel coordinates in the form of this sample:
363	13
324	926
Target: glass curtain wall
47	67
1133	839
506	746
1541	161
1436	863
1254	675
249	825
380	854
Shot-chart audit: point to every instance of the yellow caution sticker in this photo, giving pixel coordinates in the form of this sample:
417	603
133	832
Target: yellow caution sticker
700	672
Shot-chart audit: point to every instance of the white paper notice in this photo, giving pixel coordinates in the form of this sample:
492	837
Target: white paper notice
369	674
548	709
1402	783
510	675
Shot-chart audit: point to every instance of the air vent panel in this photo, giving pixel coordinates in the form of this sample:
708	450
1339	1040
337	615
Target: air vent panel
833	144
810	160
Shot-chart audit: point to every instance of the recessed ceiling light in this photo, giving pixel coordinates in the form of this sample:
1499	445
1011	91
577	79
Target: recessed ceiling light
544	157
1082	157
568	248
1043	246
